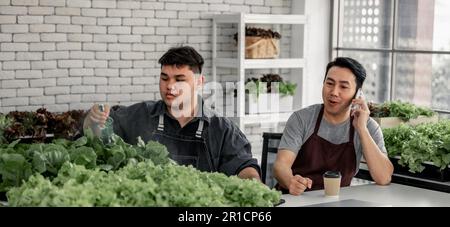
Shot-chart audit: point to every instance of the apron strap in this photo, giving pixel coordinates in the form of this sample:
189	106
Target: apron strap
319	119
352	131
161	123
198	134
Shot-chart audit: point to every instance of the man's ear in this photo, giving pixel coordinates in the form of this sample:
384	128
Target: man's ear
200	80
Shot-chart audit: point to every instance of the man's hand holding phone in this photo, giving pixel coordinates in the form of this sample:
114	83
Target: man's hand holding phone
359	95
360	111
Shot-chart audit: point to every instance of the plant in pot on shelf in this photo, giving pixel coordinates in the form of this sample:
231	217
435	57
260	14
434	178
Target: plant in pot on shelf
269	94
253	89
287	91
392	114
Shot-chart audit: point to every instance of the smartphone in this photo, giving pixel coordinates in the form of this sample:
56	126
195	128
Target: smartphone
359	94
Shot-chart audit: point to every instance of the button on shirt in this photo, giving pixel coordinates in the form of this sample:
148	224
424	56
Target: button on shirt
231	151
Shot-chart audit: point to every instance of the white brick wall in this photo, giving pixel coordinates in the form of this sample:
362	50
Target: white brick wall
79	3
42	100
58	107
5	37
43	82
43	64
68	98
69	54
24	2
57	90
13	10
28	74
57	19
82	89
67	11
55	73
28	56
41	10
8	102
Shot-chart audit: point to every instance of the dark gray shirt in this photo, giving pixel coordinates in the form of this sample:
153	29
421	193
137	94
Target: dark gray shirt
229	147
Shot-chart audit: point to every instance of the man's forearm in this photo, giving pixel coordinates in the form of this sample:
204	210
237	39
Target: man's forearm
380	167
282	167
283	174
249	173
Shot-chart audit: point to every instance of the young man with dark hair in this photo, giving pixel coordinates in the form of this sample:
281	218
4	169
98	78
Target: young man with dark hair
332	136
193	134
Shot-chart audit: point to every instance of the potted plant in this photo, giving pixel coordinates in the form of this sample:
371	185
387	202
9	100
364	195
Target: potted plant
392	114
287	91
269	94
253	89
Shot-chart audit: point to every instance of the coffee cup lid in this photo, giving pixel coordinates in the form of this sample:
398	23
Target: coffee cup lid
332	174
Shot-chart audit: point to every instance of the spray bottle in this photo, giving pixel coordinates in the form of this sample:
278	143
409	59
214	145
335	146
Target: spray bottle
107	129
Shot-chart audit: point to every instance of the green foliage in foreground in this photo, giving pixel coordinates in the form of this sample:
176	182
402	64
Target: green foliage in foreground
141	184
19	161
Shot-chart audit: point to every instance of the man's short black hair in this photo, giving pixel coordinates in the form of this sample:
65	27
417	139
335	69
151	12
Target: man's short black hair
354	66
181	56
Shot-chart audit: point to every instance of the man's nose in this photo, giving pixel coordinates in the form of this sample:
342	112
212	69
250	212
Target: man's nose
334	90
171	85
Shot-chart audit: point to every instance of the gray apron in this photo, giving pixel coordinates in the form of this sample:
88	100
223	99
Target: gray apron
185	150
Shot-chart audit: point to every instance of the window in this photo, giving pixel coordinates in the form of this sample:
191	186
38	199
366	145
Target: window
404	46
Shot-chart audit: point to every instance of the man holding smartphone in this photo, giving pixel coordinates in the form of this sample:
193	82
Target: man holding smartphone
332	136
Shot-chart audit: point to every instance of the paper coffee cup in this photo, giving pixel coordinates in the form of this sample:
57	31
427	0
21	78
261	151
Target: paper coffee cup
332	183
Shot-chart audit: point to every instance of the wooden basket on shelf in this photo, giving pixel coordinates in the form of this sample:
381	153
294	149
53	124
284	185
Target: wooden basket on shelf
258	47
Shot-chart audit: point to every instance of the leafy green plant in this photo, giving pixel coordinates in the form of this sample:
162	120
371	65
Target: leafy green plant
5	122
255	87
153	151
287	88
14	168
48	157
37	125
418	144
141	184
18	161
270	83
402	110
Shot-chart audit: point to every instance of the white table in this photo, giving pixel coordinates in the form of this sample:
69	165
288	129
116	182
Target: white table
371	195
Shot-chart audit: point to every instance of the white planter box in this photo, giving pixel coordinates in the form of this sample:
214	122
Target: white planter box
286	103
268	103
390	122
251	104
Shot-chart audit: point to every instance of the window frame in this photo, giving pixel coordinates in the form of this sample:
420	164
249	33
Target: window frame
393	51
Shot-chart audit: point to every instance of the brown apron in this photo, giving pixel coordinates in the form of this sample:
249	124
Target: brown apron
317	155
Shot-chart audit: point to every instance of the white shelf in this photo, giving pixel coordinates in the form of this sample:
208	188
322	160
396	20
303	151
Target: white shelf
266	118
261	19
241	64
261	63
